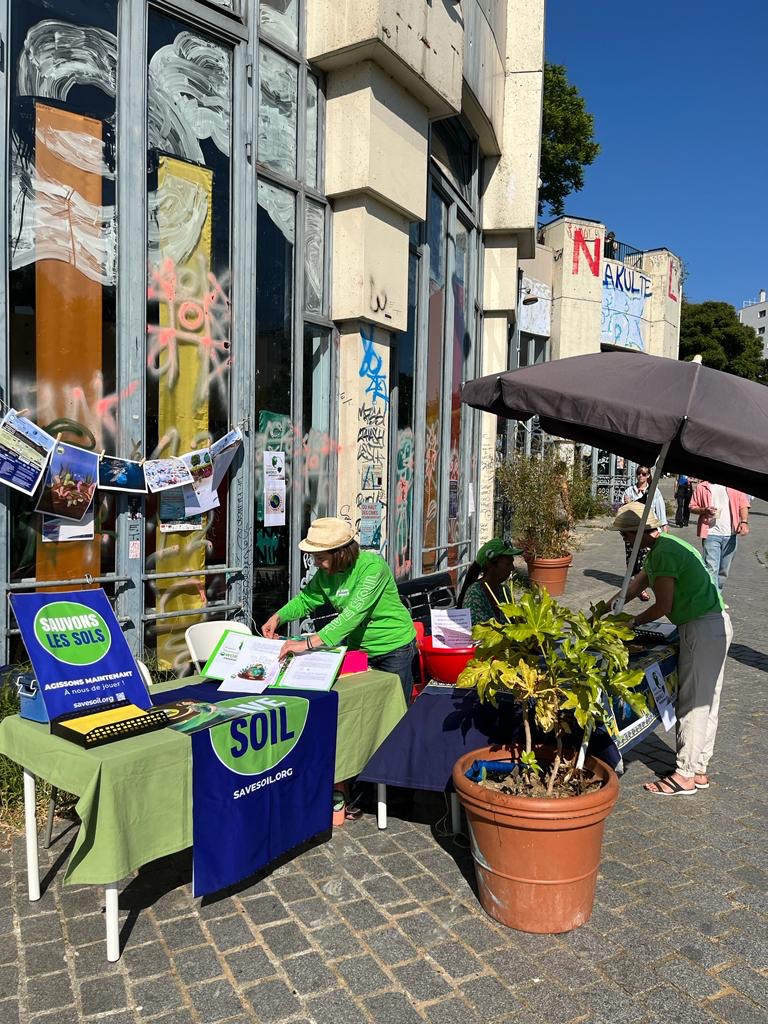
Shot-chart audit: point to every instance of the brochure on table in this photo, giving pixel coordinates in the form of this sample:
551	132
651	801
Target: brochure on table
250	664
80	657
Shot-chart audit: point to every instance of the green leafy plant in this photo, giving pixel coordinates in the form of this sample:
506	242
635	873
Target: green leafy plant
559	666
585	504
530	493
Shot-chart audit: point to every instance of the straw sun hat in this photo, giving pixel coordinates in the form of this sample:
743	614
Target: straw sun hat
327	534
630	515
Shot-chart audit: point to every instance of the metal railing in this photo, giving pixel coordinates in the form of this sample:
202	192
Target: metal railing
615	250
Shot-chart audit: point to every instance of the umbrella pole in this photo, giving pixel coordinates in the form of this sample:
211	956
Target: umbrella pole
652	488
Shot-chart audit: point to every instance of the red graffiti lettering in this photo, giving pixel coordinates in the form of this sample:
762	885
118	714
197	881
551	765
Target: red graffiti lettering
592	258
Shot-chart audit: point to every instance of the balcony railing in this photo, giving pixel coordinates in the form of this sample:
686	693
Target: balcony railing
615	250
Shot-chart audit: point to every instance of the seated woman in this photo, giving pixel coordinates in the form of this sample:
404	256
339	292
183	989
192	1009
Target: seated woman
482	592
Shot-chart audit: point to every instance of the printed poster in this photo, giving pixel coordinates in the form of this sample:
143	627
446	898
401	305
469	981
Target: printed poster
370	524
124	475
70	482
162	474
451	627
274	489
78	652
266	780
172	513
223	452
199	496
57	530
24	452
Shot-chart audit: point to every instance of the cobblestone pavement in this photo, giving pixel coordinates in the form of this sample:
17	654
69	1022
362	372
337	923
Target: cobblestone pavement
385	927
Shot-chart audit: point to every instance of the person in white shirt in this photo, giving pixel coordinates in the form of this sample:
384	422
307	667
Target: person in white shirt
639	492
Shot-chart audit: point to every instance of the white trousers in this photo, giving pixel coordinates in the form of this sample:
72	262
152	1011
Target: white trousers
704	647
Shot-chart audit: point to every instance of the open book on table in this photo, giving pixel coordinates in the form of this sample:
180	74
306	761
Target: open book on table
249	664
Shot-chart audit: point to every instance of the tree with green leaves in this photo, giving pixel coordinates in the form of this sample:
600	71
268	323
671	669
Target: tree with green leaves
567	140
714	331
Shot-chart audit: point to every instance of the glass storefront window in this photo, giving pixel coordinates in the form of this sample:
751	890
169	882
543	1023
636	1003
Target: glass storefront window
278	92
310	169
460	350
404	463
189	316
314	249
437	231
275	242
280	19
62	256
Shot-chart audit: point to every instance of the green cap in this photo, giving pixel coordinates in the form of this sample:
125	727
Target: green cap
495	548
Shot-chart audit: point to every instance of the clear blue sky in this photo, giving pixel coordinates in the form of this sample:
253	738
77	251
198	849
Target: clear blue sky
679	93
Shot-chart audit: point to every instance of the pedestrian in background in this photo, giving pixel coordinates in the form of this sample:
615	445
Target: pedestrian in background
639	492
683	493
723	517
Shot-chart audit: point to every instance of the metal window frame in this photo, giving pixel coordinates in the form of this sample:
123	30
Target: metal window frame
240	30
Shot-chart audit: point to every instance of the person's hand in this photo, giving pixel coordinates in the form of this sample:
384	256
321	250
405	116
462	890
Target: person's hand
270	626
742	529
292	647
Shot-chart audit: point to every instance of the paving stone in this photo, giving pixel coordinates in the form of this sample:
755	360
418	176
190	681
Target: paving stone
392	1008
45	958
146	961
384	890
337	940
273	1000
9	1011
671	1004
452	1011
265	909
250	965
284	939
425	888
184	932
293	887
747	982
307	973
479	933
550	1002
40	929
363	975
9	980
199	964
736	1010
423	929
49	992
400	865
99	995
491	998
362	916
421	982
214	1000
391	946
688	977
632	973
9	950
455	960
336	1008
156	995
231	932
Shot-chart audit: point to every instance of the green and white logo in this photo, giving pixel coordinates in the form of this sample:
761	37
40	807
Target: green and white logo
260	740
72	633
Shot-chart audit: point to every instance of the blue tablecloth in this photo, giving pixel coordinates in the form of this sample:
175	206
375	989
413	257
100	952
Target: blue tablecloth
444	723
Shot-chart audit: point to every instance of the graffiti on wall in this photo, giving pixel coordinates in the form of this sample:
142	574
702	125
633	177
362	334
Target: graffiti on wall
371	368
625	290
403	502
588	247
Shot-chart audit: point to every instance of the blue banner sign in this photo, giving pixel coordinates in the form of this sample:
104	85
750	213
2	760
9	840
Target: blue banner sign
261	784
78	652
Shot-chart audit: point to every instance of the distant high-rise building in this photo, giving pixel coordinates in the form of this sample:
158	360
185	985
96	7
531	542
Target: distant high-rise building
755	314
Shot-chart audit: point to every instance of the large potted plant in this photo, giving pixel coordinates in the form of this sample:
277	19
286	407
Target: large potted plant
533	493
536	819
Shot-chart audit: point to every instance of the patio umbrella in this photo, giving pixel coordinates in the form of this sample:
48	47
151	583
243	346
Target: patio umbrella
713	425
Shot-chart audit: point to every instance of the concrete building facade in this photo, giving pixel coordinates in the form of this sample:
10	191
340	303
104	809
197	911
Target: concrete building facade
755	315
302	218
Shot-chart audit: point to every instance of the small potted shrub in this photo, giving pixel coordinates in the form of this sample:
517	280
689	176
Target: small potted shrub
536	819
533	490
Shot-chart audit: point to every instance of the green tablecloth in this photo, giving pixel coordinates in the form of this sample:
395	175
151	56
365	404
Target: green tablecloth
135	796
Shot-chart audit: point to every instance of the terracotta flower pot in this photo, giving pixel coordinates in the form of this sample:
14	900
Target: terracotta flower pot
536	861
550	573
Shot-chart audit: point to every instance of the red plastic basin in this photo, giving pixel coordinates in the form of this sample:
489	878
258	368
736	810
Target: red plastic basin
444	663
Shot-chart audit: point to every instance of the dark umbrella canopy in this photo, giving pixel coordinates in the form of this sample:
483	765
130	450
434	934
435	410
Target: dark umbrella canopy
630	403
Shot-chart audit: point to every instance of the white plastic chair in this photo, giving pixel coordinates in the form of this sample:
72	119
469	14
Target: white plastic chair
146	675
203	637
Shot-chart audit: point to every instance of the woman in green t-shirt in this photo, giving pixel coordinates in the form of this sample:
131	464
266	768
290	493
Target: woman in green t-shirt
685	594
359	585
